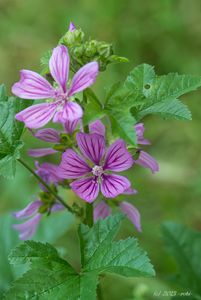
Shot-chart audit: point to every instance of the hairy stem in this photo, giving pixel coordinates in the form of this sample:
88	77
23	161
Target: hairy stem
57	197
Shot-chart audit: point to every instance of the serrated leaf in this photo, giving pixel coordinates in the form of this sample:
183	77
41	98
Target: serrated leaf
118	103
185	244
154	91
10	132
122	123
174	109
100	254
50	230
51	277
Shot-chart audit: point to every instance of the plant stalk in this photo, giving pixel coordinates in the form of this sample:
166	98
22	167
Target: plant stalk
46	185
89	214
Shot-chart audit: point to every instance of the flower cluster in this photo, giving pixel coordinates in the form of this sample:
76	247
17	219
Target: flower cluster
89	165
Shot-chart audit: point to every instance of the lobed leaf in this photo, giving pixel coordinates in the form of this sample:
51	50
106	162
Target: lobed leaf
51	277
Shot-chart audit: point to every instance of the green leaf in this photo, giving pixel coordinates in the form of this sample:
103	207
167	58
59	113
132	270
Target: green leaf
51	277
93	109
50	230
100	254
185	244
8	240
140	79
118	103
122	123
158	94
10	132
174	109
117	59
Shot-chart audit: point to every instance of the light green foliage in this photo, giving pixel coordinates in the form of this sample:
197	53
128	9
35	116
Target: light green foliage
143	93
159	94
185	244
98	254
10	132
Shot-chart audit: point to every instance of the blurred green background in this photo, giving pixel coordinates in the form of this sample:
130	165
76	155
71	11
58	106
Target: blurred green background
163	33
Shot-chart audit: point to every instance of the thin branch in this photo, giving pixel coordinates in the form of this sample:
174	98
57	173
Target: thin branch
46	185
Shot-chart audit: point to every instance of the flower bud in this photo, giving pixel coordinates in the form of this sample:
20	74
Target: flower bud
91	48
73	37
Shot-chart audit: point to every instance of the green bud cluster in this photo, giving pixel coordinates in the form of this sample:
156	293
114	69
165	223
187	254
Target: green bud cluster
83	52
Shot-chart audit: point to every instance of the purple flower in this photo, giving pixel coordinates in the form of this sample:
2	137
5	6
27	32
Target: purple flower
97	127
139	129
48	172
132	213
28	228
145	160
53	136
71	27
34	86
101	211
96	174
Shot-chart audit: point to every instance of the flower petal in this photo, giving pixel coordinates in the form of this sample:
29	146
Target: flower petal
85	77
57	207
97	127
117	157
101	211
71	27
132	213
92	146
112	185
41	152
86	188
70	112
59	65
28	211
139	129
72	165
147	161
32	86
70	126
130	191
48	135
48	172
28	228
38	115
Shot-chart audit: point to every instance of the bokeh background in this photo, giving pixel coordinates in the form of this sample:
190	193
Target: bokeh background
166	34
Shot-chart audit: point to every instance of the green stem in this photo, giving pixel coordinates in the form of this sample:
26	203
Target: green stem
99	292
46	185
89	214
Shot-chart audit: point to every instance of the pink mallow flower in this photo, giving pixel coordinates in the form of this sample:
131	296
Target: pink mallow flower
48	172
103	210
61	109
28	228
93	169
145	160
52	136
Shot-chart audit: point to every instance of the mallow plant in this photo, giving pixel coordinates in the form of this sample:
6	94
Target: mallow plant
95	141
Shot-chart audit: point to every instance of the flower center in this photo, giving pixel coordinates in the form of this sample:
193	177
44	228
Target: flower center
97	171
61	96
